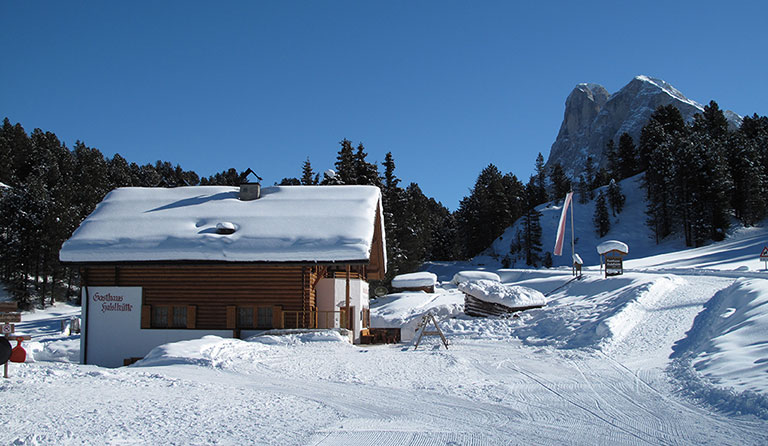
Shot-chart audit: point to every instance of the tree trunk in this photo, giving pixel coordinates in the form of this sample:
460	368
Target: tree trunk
37	272
53	284
69	283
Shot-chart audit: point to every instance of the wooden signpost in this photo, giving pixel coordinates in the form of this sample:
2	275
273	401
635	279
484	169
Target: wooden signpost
8	314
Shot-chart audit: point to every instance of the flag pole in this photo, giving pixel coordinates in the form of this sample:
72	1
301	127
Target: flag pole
573	237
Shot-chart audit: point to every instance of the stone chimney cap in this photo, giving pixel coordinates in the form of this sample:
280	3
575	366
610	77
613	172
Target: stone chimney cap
244	176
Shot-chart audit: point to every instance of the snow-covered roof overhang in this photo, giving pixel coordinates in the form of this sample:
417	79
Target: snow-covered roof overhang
287	224
612	245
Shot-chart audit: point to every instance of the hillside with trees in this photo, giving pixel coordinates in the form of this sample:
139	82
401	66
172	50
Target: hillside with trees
698	177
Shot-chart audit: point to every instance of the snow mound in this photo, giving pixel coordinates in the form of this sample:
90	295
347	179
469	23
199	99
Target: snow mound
727	343
415	280
722	360
300	338
60	350
471	276
206	351
226	353
513	296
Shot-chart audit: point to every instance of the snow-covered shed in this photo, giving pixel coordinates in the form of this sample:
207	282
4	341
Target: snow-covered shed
168	264
419	281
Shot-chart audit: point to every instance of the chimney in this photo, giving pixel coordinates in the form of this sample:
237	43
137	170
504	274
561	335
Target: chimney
249	191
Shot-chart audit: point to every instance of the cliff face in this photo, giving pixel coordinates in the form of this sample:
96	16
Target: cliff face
593	117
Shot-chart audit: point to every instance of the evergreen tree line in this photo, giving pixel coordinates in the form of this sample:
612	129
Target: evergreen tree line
48	189
697	176
417	228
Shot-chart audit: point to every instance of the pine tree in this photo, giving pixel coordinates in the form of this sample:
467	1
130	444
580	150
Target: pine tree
365	172
531	245
308	176
715	185
530	241
561	185
485	214
393	203
547	263
750	178
345	163
615	197
601	217
660	142
590	176
7	172
540	193
331	178
582	188
626	157
515	197
602	178
612	155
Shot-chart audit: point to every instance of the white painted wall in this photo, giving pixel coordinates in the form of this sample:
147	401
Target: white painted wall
331	295
112	328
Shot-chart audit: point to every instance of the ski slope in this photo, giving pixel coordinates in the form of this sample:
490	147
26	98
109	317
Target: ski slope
672	352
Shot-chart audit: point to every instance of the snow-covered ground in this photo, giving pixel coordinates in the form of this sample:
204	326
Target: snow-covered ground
672	352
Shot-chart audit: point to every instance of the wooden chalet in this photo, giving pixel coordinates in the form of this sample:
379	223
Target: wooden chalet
190	261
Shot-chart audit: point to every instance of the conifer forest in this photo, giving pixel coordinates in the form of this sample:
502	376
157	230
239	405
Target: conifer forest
698	177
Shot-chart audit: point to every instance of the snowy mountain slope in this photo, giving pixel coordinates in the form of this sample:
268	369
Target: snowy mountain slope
628	226
739	251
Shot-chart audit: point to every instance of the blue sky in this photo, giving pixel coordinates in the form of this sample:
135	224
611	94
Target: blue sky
447	87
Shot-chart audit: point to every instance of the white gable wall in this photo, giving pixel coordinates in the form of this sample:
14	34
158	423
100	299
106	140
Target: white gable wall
112	327
331	296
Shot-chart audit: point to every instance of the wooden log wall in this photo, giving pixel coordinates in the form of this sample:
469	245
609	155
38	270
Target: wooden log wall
211	288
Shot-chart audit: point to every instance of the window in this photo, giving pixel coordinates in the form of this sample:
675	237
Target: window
159	316
167	316
265	317
180	317
245	317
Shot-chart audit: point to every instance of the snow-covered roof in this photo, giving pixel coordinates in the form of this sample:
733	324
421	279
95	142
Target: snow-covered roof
470	276
287	224
612	245
415	280
513	296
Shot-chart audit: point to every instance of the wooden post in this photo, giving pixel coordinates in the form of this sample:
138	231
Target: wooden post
231	317
191	316
146	316
350	326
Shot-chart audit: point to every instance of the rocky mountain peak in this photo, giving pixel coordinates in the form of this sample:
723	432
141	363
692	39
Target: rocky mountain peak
593	117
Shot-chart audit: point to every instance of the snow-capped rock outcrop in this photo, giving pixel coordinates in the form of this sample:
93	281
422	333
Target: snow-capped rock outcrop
592	118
